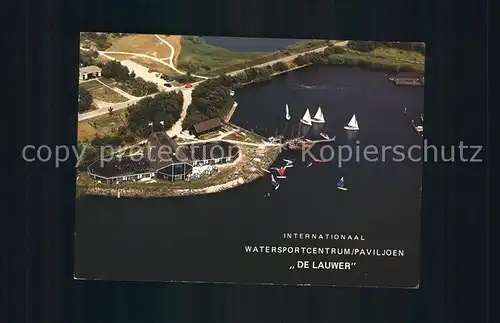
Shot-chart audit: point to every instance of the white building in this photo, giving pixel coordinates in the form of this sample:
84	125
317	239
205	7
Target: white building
89	72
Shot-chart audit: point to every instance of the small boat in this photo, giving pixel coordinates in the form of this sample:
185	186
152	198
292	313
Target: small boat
287	112
324	135
318	117
288	161
309	165
274	182
231	93
118	196
265	170
306	119
340	184
422	117
281	172
353	124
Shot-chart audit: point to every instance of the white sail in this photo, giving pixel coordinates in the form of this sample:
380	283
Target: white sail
306	119
353	124
318	117
287	115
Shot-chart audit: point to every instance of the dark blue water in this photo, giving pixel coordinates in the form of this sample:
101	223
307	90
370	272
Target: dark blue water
246	44
131	239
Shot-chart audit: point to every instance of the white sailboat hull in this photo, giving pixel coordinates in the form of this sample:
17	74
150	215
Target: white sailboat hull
351	128
342	188
318	121
306	122
280	176
288	117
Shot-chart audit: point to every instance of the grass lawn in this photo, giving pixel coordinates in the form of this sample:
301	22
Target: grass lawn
142	44
105	94
399	54
88	85
369	57
208	57
102	125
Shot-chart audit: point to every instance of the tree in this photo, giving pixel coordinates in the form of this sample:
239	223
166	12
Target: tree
87	57
115	70
300	60
165	106
85	100
280	67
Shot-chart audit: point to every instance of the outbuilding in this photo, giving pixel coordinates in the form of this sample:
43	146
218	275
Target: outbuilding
89	72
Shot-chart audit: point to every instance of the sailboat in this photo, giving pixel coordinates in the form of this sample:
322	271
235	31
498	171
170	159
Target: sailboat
306	119
353	124
274	182
281	172
340	184
318	117
287	113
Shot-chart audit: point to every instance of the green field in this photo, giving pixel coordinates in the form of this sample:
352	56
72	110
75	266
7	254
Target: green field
206	58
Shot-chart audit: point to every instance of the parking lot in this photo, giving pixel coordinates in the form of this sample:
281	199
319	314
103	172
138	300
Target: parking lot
142	71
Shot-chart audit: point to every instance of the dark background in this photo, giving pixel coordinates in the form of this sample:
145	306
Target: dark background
39	217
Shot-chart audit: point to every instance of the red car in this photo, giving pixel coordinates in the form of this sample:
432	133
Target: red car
187	86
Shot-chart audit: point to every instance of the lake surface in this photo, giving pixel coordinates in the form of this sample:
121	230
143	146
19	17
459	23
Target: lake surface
248	44
173	238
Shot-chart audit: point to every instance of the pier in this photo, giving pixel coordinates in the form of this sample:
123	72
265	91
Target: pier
231	112
407	79
301	143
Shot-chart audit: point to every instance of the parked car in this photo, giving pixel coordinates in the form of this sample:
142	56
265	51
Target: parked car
187	86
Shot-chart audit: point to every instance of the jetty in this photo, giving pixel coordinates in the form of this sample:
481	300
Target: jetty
301	143
231	112
407	79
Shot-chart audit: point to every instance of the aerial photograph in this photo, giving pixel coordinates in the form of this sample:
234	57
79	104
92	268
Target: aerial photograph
196	148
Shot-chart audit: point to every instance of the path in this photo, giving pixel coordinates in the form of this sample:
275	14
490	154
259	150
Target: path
177	127
171	59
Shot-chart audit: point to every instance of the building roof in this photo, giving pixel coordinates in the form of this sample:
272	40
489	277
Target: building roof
90	69
162	151
211	150
207	125
124	166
